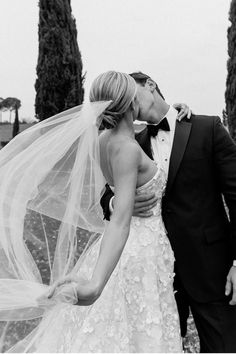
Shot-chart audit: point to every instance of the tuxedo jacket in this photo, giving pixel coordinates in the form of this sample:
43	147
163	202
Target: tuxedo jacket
202	175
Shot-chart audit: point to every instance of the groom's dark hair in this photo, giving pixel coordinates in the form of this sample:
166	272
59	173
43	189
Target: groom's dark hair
142	78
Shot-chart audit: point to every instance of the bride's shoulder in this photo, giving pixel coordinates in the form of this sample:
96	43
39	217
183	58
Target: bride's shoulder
125	150
118	146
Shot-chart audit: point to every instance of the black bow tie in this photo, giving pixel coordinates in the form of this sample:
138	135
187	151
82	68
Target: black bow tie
153	129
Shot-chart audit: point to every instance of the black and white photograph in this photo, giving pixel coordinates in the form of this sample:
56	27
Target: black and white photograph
118	176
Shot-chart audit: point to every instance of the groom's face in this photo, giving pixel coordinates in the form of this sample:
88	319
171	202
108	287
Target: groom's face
146	103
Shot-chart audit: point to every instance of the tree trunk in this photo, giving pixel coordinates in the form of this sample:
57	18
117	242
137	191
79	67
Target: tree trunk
16	125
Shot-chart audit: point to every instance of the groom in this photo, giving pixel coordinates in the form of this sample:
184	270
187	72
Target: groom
199	159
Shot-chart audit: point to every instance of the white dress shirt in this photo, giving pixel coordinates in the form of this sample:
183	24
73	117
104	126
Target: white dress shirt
162	144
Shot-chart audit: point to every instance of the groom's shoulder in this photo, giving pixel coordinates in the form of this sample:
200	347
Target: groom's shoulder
203	120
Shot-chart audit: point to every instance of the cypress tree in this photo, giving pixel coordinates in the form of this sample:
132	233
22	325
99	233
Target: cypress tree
230	94
59	83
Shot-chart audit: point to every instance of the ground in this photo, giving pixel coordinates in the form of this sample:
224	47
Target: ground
191	341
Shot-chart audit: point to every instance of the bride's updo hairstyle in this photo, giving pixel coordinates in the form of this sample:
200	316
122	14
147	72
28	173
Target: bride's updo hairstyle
115	86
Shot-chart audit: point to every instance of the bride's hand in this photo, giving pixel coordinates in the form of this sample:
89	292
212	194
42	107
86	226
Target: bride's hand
69	279
85	291
183	111
63	290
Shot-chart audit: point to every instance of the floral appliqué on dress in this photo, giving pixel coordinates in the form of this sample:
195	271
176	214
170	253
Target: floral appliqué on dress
136	311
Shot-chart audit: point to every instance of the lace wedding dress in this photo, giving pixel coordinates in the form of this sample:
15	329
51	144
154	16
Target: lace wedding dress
136	311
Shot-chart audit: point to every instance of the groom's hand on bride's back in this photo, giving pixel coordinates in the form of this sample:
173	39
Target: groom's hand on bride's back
143	205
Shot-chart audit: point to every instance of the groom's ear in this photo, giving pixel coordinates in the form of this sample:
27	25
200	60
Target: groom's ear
151	85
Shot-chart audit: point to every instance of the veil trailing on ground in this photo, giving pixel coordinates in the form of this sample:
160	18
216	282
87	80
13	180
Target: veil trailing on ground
50	189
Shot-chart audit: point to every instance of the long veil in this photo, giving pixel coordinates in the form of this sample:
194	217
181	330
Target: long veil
50	214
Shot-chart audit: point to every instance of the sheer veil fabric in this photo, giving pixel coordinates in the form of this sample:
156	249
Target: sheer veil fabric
49	172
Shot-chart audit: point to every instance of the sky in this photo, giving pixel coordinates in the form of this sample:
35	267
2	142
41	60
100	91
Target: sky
181	44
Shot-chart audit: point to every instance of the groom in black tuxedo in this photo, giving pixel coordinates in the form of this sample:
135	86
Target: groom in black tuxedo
199	158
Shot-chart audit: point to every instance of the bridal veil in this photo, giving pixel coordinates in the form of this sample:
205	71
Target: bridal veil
50	189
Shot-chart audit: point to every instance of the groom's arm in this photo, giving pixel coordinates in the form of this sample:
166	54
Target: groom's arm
225	162
105	202
142	204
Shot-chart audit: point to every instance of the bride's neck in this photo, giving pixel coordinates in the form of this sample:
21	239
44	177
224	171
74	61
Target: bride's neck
125	127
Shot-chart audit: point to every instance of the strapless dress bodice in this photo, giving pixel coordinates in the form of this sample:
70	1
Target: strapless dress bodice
155	185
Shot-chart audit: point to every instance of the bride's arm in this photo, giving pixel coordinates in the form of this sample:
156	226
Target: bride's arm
125	169
124	161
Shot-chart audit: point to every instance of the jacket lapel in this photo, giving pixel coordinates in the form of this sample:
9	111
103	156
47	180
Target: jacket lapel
182	132
144	141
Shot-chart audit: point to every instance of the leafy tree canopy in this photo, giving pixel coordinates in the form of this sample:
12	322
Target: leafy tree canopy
10	103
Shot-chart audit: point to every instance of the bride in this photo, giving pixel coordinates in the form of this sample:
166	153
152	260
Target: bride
115	292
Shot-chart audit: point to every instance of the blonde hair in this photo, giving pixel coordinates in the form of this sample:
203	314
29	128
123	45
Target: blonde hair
115	86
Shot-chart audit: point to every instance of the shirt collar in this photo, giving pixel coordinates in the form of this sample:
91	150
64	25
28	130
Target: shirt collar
171	116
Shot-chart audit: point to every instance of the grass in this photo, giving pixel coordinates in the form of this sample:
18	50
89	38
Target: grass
191	341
